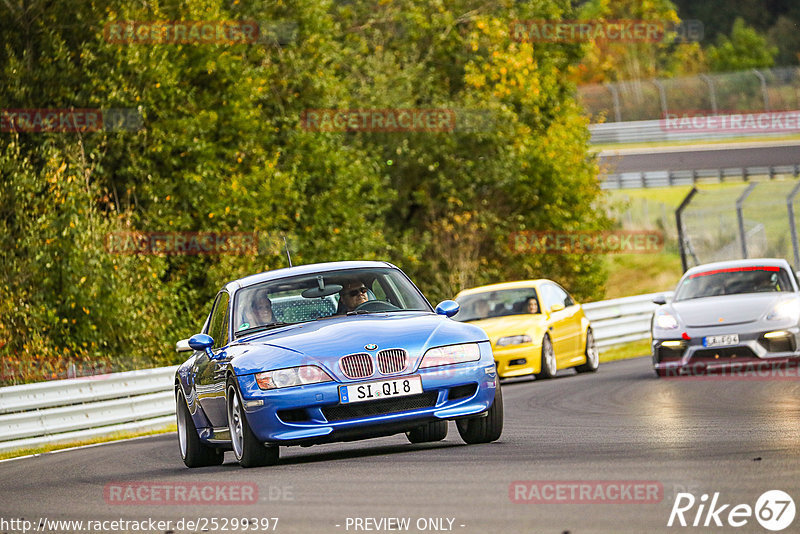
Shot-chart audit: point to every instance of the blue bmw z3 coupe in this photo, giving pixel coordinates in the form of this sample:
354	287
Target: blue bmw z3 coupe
330	352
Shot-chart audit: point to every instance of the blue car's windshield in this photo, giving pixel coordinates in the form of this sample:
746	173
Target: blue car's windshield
309	297
733	281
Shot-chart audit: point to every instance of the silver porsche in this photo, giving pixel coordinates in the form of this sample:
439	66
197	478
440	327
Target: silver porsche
741	314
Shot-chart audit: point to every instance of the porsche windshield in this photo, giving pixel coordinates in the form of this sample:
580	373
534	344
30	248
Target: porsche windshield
496	304
316	296
733	281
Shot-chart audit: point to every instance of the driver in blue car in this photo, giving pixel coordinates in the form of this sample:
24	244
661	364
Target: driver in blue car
353	294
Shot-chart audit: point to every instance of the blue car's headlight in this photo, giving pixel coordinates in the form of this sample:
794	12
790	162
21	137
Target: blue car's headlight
466	352
787	309
513	340
666	321
293	376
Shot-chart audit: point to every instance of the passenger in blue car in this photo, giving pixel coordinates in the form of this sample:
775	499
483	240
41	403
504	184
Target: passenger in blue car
353	294
260	310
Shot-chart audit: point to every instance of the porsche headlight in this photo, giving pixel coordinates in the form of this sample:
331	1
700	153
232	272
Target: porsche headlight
293	376
785	310
451	354
513	340
666	321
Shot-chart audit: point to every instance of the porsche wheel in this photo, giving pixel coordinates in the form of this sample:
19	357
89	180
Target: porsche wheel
248	450
194	452
549	368
592	355
484	429
433	431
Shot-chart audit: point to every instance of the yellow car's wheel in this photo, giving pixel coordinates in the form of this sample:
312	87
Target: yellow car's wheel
592	355
549	368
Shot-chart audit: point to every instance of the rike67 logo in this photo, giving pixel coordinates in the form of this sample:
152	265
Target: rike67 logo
774	510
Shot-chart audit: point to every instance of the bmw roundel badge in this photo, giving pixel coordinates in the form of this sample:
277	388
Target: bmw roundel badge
371	346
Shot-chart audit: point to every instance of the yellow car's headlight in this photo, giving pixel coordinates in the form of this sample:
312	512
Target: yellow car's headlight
513	340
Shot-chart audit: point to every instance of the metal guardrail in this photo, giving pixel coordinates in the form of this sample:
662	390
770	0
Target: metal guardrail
637	180
656	130
621	320
76	409
62	411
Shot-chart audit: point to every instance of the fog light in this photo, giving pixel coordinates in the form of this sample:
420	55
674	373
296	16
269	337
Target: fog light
672	344
520	361
776	334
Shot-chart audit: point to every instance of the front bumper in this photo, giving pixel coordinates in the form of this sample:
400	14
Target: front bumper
313	413
518	360
753	351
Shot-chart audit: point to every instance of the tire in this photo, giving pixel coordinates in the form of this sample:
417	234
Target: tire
592	356
484	429
433	431
549	367
194	452
249	451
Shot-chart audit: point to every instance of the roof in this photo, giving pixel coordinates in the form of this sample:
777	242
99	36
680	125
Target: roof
311	268
750	262
519	284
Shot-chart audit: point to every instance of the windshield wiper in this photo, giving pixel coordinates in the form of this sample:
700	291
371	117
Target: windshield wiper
361	312
260	328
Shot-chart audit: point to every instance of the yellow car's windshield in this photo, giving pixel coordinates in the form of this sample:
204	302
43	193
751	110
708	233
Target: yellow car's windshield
497	304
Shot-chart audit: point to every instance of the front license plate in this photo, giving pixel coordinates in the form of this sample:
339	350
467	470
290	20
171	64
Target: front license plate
719	341
382	389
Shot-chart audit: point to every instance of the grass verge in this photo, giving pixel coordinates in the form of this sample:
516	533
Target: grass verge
104	439
626	351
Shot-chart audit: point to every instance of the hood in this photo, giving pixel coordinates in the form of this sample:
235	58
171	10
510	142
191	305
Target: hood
510	325
727	309
324	342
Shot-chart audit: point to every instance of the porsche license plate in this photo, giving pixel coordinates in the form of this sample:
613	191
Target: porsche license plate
721	341
382	389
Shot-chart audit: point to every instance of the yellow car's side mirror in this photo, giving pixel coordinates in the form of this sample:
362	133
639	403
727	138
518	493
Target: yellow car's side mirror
557	307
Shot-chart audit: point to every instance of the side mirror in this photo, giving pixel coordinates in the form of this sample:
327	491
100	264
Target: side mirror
557	307
183	346
202	342
448	308
660	300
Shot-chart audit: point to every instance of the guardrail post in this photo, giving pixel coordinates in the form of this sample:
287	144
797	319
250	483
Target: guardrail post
679	222
764	93
792	225
740	215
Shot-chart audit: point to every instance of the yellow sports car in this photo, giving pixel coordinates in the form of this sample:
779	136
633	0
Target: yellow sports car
535	327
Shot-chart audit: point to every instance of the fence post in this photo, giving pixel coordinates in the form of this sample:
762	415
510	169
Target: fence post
679	223
740	215
612	88
662	95
711	92
792	225
763	88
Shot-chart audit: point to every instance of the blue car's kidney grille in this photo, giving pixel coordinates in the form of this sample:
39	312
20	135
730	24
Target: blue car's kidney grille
357	365
391	361
358	410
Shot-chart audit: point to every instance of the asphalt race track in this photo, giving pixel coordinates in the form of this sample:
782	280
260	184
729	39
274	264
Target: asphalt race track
737	437
721	157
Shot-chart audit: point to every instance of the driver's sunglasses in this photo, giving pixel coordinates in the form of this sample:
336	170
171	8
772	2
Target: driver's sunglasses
359	291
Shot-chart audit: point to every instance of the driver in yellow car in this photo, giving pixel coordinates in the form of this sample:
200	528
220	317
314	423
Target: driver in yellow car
353	294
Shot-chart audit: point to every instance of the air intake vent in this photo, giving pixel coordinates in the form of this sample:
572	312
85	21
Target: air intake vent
357	366
392	361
